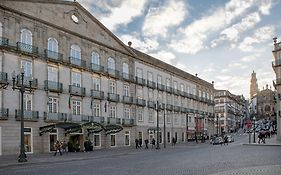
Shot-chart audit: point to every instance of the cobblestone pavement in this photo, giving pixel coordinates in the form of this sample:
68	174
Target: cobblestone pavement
184	159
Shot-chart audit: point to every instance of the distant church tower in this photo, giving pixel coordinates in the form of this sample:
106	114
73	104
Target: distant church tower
254	89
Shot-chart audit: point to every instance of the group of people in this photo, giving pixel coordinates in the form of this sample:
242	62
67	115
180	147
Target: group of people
261	137
60	147
138	143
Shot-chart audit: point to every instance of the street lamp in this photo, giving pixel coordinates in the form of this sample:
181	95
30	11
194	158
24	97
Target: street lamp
254	119
157	125
19	85
165	127
217	125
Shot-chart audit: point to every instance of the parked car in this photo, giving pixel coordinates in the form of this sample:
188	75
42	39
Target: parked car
217	140
230	139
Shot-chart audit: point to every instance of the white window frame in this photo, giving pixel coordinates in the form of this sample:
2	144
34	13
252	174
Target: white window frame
127	113
97	83
139	93
31	140
112	111
95	58
76	107
126	90
75	51
26	36
150	76
151	116
53	105
27	66
112	87
76	79
111	63
159	79
27	99
99	135
96	109
53	45
53	74
125	68
140	114
139	73
127	133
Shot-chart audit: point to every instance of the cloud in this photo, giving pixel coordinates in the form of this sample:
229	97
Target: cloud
158	20
165	56
144	45
265	6
260	35
248	58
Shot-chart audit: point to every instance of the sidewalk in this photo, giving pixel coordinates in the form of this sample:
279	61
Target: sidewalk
11	160
272	141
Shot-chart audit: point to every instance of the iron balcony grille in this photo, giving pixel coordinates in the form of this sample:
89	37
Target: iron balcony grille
151	104
127	77
77	62
151	84
188	95
160	87
78	91
161	106
177	108
4	41
140	81
97	68
140	102
176	91
27	81
56	56
3	78
182	93
113	97
113	121
98	119
169	89
53	86
128	122
27	48
27	115
169	107
113	72
183	109
127	99
55	117
97	94
4	113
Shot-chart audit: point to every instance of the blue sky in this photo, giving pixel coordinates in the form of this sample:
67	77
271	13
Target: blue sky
220	40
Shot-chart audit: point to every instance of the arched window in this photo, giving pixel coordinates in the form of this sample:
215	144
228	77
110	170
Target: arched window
26	37
95	58
75	52
53	45
125	68
111	63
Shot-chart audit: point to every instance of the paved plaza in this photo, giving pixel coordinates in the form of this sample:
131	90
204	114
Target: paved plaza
189	158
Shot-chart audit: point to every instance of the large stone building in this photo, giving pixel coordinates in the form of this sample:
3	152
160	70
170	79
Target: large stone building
230	111
276	64
87	84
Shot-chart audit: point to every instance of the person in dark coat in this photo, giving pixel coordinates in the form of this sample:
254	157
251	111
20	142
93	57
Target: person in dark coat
153	143
137	143
146	143
140	143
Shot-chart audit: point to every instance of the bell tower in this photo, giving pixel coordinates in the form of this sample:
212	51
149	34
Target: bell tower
254	89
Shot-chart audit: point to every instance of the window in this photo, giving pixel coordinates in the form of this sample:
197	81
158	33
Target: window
176	119
150	116
53	45
168	82
126	90
169	117
112	111
26	37
96	83
76	79
28	142
112	140
169	99
188	89
126	113
160	137
175	85
27	66
168	137
182	136
140	114
27	102
127	138
182	121
75	52
76	107
159	79
150	94
96	140
199	93
139	73
125	68
53	105
160	97
112	87
194	91
96	109
139	93
53	74
182	87
111	63
161	119
189	119
95	58
149	76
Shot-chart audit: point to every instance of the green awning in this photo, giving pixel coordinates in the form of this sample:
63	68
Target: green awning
109	129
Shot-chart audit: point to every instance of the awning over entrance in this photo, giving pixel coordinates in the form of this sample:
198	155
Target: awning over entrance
63	125
93	127
109	129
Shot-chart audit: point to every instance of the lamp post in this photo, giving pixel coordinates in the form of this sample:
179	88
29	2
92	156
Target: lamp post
165	127
157	125
186	127
254	119
19	85
217	125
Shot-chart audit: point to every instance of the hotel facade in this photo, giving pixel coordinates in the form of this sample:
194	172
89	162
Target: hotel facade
87	84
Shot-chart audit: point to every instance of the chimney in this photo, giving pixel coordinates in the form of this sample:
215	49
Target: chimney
129	43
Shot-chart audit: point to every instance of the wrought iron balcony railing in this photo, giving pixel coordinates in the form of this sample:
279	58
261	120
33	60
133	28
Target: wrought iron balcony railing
98	119
4	113
128	100
176	91
77	62
27	48
97	94
140	102
55	117
3	79
169	107
113	121
127	77
169	89
113	73
151	84
78	91
4	41
183	109
97	68
51	55
27	115
27	81
160	87
140	81
160	106
53	86
128	122
113	97
177	108
151	104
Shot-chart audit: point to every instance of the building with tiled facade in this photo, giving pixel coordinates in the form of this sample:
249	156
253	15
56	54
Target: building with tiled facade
84	76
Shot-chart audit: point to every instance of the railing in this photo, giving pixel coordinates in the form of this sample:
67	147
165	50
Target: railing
127	77
97	94
55	117
128	122
27	48
53	86
188	95
27	115
78	91
151	104
97	67
140	102
169	107
77	62
3	78
113	121
160	87
183	109
98	119
4	41
151	84
113	97
127	99
177	108
161	106
140	81
176	91
182	93
27	81
4	113
169	89
113	72
74	118
53	55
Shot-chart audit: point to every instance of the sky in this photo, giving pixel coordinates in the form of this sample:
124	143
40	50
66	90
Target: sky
220	40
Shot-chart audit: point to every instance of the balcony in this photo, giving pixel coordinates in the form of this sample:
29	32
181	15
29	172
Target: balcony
182	93
97	68
4	41
151	84
27	82
161	106
184	110
169	89
177	108
160	87
127	77
140	81
27	48
27	115
77	62
54	56
128	122
151	104
176	91
97	94
140	102
128	99
4	113
98	119
55	117
113	73
169	107
77	91
113	121
74	118
113	97
53	86
3	79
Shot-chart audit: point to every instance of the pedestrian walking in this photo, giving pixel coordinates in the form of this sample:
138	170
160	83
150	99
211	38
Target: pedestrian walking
137	143
196	139
63	146
140	142
225	140
260	137
146	143
57	146
152	143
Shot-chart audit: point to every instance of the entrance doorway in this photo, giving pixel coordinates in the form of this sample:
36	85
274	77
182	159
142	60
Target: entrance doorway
76	143
53	138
